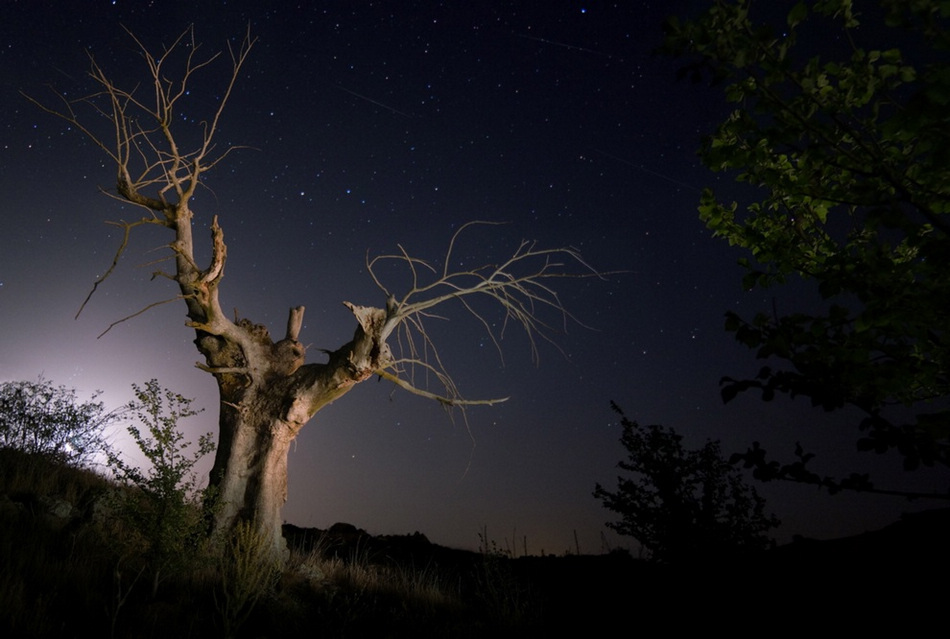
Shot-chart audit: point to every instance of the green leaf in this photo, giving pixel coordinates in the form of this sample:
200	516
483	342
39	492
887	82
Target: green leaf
798	13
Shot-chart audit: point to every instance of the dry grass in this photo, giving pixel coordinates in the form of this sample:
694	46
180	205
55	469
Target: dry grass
79	565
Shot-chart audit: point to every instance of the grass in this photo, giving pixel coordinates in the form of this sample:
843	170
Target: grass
70	566
68	562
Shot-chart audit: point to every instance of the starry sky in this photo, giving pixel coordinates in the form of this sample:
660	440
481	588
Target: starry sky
377	124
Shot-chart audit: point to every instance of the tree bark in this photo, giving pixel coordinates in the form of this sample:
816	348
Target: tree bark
267	396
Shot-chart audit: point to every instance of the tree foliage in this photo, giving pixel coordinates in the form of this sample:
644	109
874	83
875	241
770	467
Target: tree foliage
40	418
841	123
683	504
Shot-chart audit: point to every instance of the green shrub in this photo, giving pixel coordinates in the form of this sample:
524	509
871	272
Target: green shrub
40	418
163	506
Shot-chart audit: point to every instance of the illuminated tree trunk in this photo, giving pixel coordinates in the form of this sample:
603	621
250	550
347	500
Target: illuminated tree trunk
267	395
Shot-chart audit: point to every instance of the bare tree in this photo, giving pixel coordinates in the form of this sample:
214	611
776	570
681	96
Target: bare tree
267	392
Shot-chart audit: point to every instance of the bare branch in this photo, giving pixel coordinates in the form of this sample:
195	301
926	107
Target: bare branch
126	230
518	286
448	252
294	323
219	255
154	170
139	312
446	401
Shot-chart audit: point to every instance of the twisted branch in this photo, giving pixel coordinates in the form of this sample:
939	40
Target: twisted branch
518	286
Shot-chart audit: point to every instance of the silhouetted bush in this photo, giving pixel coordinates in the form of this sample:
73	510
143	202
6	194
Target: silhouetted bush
683	504
38	417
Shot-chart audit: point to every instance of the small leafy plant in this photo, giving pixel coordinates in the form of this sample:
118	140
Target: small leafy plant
163	504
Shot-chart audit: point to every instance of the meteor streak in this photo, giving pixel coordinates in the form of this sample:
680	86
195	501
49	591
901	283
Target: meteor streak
380	104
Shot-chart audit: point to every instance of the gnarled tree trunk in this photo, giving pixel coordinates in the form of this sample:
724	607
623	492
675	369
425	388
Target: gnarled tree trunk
267	395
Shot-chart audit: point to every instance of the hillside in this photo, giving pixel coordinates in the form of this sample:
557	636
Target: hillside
69	568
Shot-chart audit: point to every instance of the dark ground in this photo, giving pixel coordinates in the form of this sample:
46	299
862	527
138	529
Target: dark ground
894	578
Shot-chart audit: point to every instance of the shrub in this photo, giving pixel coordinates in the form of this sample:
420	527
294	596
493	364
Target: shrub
683	504
40	418
163	505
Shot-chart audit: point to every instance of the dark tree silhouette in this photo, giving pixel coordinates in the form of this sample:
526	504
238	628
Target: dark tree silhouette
683	504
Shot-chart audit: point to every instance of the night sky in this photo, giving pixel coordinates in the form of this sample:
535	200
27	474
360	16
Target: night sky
377	124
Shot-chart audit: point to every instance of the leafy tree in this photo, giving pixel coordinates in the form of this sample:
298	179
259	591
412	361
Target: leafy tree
683	504
38	417
268	392
841	124
163	505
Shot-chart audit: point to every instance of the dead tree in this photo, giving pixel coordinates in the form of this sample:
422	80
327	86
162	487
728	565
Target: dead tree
267	391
